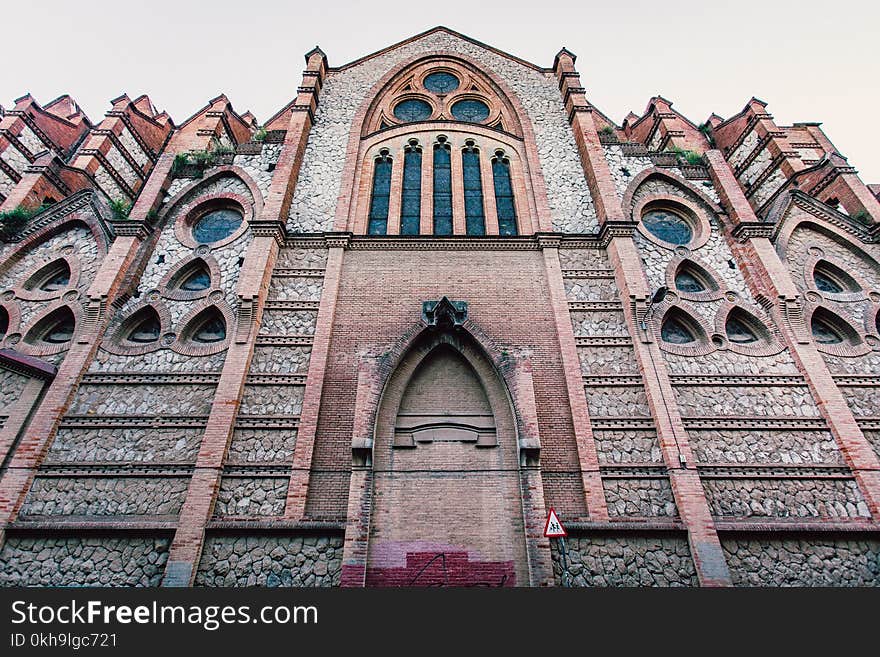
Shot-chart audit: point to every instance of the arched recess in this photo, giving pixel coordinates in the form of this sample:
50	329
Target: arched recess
453	448
446	458
529	176
53	331
676	182
192	278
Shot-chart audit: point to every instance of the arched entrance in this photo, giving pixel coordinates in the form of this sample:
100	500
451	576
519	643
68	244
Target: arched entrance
446	505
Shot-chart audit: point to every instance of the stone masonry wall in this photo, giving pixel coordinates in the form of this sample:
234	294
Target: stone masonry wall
271	561
626	561
808	561
83	561
314	202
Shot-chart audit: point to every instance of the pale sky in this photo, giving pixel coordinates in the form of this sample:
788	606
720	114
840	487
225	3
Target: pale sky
810	60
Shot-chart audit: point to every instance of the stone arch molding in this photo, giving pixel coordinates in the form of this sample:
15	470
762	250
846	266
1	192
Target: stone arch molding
505	105
473	84
511	370
378	553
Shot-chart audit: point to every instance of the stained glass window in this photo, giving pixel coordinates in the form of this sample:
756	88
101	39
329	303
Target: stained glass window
675	331
442	189
196	280
475	216
212	329
825	283
472	111
686	280
411	196
57	278
381	194
147	330
61	330
668	226
823	330
504	196
441	82
413	109
832	279
217	225
738	330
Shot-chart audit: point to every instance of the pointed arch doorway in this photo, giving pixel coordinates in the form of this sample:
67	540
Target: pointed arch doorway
446	505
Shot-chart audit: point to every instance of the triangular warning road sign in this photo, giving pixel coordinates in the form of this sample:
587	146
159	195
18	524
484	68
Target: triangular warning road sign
554	528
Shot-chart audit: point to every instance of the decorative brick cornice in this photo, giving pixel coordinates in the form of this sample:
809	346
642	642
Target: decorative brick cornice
15	143
750	229
611	229
11	173
269	228
29	366
71	204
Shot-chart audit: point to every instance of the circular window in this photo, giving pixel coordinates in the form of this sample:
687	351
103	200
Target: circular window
441	82
668	226
217	225
470	110
413	109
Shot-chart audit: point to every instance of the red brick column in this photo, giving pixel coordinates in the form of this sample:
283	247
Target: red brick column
594	494
253	289
690	498
766	273
41	431
297	492
186	549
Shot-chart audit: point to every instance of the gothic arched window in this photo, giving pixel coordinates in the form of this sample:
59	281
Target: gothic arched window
739	329
832	279
381	195
503	194
474	213
676	331
442	188
411	194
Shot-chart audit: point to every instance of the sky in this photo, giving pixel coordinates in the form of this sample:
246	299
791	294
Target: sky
810	60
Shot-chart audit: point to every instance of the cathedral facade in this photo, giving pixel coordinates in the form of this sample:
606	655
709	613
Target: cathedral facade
373	340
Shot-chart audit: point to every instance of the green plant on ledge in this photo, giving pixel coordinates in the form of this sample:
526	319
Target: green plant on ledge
120	209
688	157
223	149
13	221
862	217
606	130
260	135
706	129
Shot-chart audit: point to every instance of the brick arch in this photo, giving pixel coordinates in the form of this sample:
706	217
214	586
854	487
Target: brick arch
218	172
74	220
829	230
488	90
536	192
436	546
670	177
382	384
512	370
